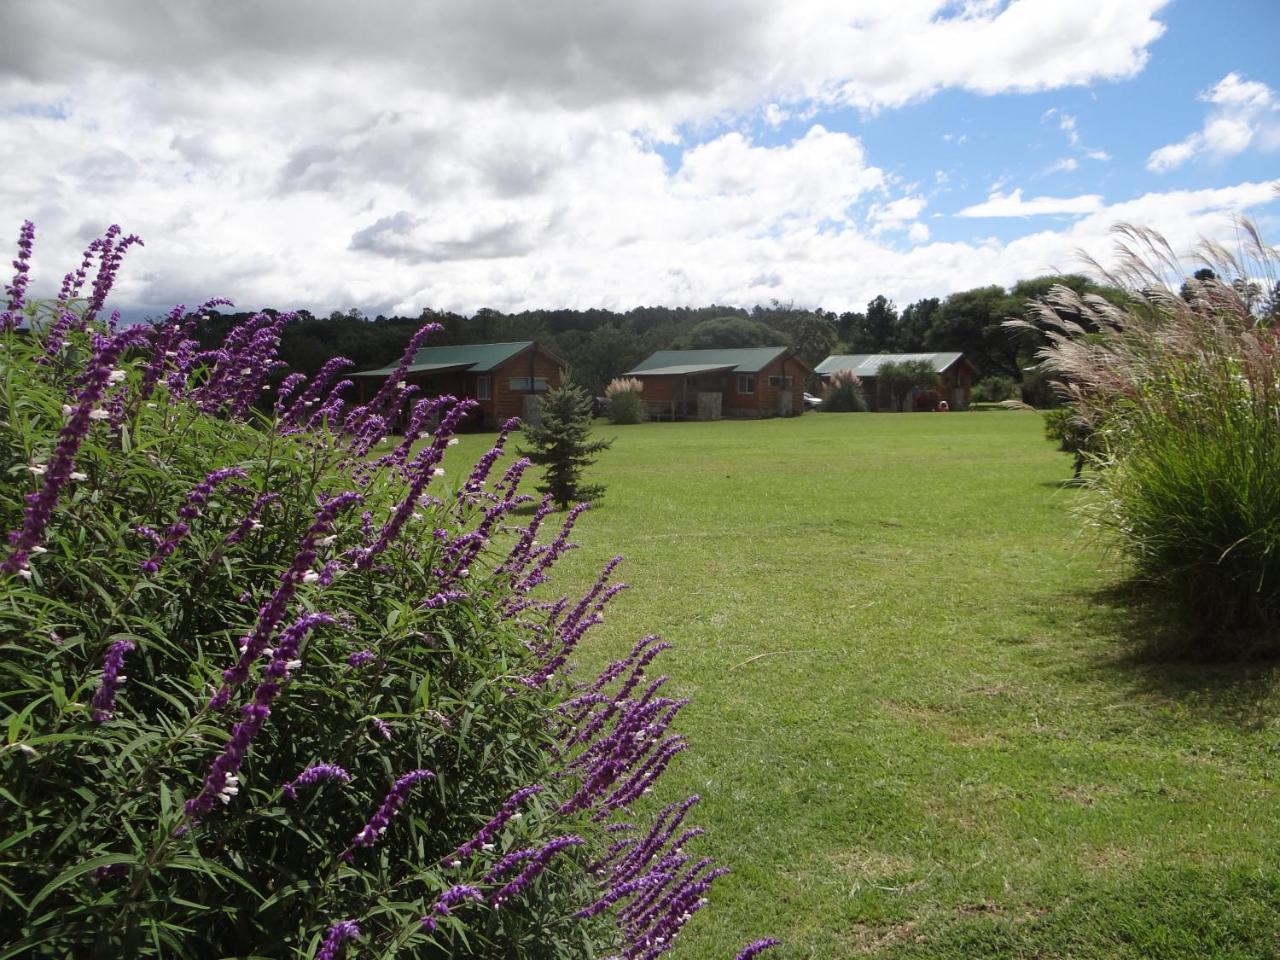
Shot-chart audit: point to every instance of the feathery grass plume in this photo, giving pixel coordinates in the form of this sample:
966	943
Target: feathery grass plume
1179	388
844	394
625	401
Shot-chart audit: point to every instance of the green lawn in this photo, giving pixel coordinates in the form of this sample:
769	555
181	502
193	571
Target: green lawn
920	725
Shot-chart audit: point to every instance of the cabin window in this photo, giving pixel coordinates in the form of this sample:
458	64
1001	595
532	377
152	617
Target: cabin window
746	383
783	382
482	388
536	384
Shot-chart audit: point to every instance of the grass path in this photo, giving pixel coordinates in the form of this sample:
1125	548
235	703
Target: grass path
918	725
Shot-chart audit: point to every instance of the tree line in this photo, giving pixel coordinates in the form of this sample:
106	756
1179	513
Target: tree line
599	345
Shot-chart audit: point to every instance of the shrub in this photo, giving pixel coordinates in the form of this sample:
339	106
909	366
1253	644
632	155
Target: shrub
996	388
843	394
1073	434
1184	397
625	406
560	444
274	687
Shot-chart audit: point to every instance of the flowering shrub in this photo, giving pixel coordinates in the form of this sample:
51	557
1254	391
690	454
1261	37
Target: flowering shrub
275	687
624	400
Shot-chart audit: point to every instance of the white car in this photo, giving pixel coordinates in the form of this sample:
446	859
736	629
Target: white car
811	402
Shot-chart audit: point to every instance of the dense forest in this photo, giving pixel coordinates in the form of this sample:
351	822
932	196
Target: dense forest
598	345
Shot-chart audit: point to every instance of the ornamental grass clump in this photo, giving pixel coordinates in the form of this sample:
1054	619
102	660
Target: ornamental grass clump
1180	390
276	686
844	394
625	406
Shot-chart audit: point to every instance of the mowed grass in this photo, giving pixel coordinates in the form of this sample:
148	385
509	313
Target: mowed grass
922	725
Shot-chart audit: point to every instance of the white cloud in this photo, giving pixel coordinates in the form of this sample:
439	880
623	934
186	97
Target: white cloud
896	214
1012	205
1242	112
1065	165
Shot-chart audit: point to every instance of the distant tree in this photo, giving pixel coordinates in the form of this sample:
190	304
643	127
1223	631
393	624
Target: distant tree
728	332
970	322
913	325
875	331
898	379
561	445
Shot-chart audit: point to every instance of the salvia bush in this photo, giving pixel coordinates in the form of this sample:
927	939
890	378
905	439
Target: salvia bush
1177	395
625	406
275	687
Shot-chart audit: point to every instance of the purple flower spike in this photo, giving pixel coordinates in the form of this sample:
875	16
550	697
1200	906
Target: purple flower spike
359	659
21	277
490	829
537	863
221	782
104	700
448	900
754	949
378	823
189	511
338	934
316	773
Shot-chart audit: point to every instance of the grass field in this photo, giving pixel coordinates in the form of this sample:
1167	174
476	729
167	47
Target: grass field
922	723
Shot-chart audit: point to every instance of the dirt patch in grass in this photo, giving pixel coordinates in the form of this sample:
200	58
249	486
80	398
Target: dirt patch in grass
867	939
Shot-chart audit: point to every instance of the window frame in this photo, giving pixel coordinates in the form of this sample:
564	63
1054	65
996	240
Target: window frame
749	379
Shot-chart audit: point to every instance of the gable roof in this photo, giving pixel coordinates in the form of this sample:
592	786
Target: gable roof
868	364
475	357
684	362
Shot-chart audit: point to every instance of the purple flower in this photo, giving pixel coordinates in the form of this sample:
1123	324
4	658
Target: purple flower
382	727
104	700
537	863
316	773
490	829
448	900
359	659
22	276
221	782
250	520
273	610
754	949
338	934
378	823
189	511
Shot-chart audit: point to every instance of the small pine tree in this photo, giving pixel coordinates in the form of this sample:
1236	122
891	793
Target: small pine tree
561	446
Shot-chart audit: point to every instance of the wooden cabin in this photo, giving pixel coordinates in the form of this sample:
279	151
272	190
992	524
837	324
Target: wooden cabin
711	384
505	379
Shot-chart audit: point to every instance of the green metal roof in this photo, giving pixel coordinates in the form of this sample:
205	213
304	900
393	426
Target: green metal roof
868	364
475	357
677	362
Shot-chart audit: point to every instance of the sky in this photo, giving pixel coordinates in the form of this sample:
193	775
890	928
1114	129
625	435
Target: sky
392	157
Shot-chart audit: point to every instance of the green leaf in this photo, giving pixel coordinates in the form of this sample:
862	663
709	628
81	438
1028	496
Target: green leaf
80	869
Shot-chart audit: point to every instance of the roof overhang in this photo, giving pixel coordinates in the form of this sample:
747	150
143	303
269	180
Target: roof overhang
415	368
682	370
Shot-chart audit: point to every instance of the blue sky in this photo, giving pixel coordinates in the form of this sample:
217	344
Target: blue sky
461	155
